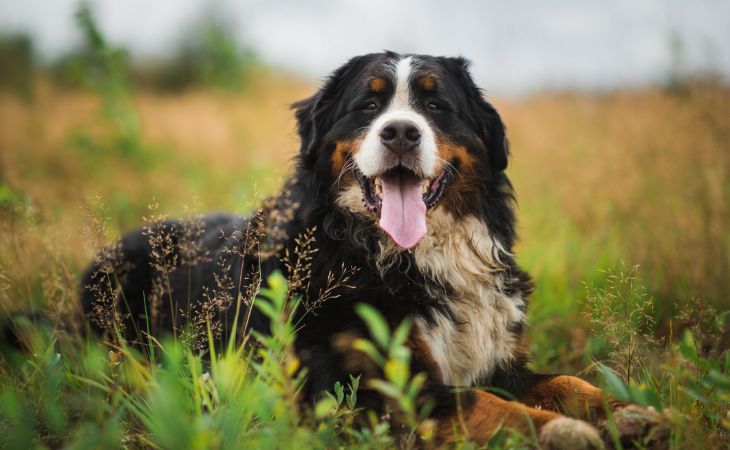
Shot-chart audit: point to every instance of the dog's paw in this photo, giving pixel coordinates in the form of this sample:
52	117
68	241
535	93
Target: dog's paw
565	433
642	426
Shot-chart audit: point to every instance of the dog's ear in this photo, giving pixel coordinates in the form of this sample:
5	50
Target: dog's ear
315	115
483	118
492	132
304	110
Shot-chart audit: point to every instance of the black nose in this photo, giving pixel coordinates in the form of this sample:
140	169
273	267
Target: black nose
400	136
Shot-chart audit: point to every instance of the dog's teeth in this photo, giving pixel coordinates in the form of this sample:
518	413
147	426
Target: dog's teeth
378	186
424	187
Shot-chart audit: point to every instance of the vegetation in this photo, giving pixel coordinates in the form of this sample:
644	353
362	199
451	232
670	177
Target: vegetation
625	223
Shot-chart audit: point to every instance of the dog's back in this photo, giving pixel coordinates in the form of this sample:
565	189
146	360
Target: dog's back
152	278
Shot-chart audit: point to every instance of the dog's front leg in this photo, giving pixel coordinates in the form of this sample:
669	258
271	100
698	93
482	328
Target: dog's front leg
577	398
479	415
568	395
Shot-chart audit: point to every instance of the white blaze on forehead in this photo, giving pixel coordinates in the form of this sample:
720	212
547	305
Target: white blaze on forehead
402	98
370	157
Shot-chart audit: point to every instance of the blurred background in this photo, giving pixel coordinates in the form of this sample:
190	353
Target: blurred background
518	48
618	114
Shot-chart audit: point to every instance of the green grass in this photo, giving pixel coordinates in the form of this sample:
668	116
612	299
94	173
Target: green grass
66	391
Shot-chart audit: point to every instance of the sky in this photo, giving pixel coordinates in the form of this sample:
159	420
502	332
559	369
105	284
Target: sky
516	46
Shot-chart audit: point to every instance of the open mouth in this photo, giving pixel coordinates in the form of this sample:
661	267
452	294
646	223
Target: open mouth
432	189
400	199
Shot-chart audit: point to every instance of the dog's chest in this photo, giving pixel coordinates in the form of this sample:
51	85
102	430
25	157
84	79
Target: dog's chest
470	342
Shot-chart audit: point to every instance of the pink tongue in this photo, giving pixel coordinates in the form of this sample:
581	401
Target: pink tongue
403	212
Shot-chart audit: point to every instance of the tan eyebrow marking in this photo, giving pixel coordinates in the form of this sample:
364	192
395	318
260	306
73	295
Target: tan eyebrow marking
427	82
377	84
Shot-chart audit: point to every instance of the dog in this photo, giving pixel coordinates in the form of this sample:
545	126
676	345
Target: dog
400	185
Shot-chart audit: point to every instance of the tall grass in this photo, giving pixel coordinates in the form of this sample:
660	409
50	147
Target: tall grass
86	395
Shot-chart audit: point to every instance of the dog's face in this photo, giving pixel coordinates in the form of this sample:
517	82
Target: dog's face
395	136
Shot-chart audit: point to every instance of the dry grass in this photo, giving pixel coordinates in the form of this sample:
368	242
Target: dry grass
648	169
218	147
604	182
221	131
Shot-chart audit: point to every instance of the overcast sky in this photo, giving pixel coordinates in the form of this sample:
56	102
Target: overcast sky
517	46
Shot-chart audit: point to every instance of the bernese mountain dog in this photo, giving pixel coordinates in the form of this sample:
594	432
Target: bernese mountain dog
400	180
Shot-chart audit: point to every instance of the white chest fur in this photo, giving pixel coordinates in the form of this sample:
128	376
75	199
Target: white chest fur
469	345
463	254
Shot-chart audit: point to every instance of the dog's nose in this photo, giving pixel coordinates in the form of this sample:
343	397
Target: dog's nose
400	136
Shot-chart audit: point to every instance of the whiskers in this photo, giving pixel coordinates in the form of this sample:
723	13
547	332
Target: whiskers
347	167
350	160
449	167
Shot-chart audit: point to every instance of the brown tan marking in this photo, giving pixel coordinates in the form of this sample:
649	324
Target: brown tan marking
448	151
377	84
489	413
480	421
353	360
339	155
569	395
465	183
427	82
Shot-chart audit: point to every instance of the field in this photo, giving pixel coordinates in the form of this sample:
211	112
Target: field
624	218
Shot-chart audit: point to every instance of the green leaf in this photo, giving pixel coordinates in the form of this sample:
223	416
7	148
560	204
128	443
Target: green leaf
378	327
416	385
643	396
339	392
401	354
326	407
692	392
397	372
688	349
401	333
718	380
354	385
275	291
369	349
385	388
406	404
615	385
267	308
277	284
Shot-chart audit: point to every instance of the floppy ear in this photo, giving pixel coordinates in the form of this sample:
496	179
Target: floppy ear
315	114
493	134
485	120
306	123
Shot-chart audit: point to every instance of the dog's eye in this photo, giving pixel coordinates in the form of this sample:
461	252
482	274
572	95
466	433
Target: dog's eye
433	106
370	106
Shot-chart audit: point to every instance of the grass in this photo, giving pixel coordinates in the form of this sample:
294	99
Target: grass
624	208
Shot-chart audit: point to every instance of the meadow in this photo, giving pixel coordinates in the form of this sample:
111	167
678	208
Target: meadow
624	218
